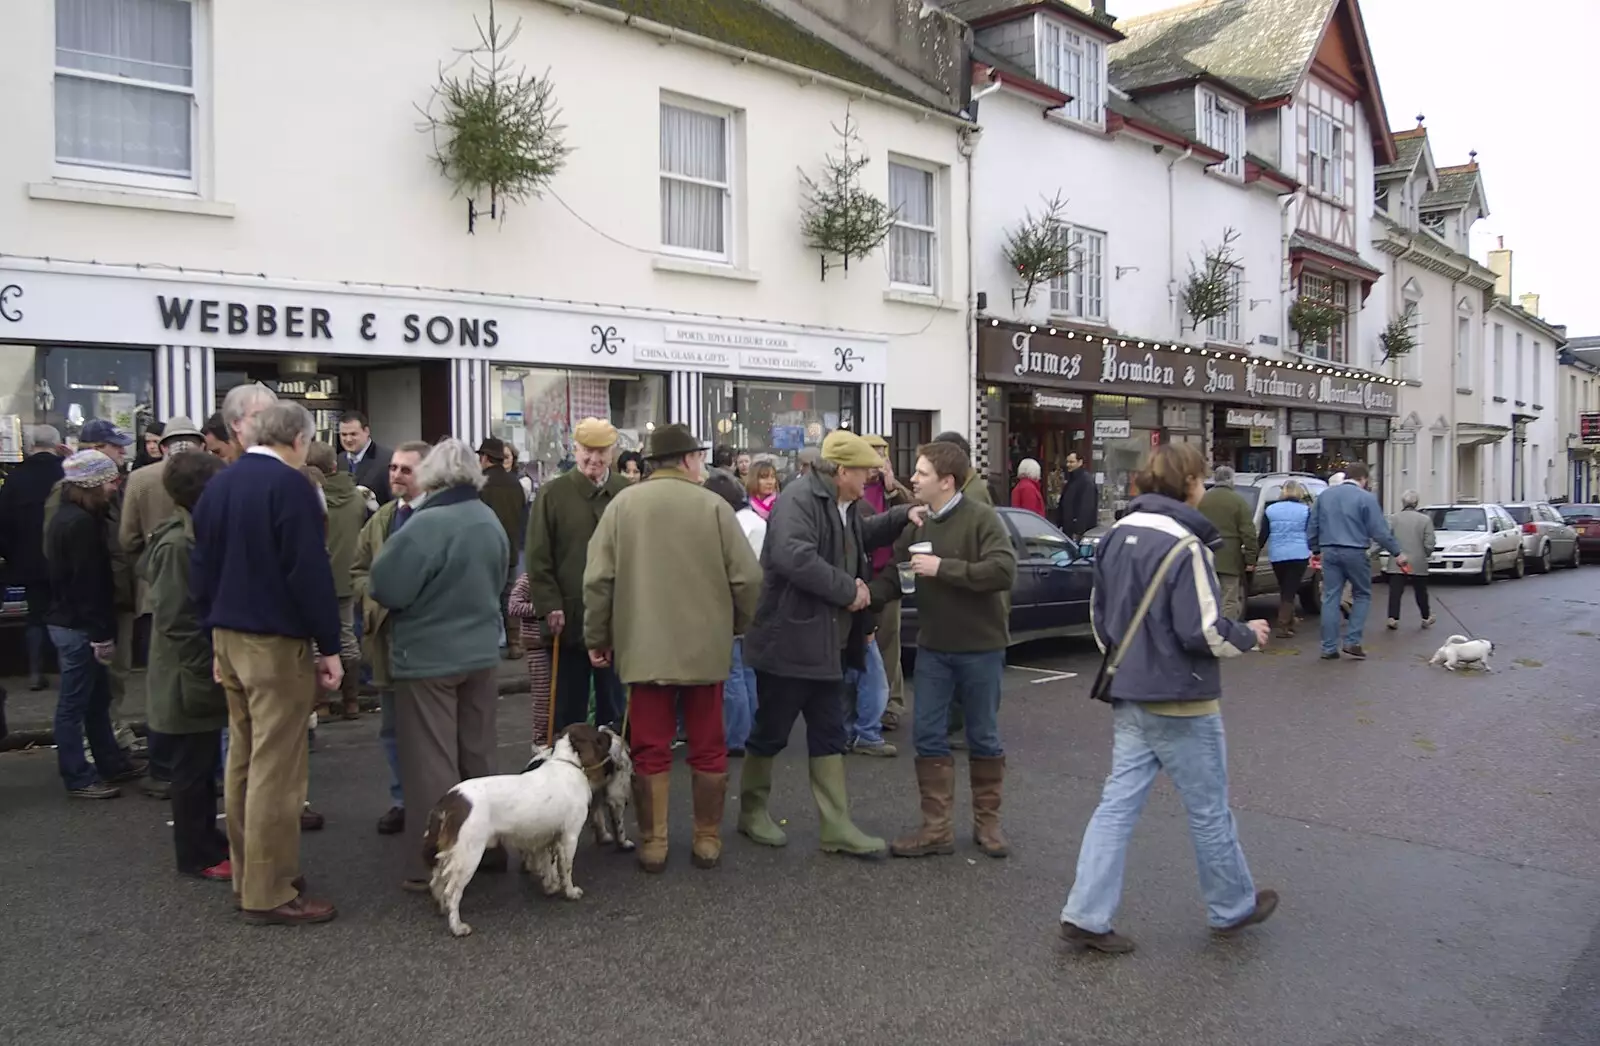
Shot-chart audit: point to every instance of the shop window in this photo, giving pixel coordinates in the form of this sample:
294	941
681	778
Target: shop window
125	94
1081	293
774	419
66	386
696	181
913	242
535	410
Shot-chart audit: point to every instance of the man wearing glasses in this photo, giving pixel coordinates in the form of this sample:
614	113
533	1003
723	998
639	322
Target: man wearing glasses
389	518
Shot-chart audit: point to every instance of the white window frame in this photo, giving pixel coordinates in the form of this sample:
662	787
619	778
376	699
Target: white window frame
1499	353
133	177
1463	350
1220	121
1325	151
1229	327
1517	372
935	190
1335	348
1538	375
728	116
1074	63
1081	294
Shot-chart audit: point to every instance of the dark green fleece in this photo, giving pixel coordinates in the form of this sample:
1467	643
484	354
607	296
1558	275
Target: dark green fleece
966	606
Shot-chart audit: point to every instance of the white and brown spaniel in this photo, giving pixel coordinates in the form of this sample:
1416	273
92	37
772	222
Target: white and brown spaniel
608	812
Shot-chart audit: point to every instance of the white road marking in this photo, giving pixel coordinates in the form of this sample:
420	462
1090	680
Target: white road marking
1048	675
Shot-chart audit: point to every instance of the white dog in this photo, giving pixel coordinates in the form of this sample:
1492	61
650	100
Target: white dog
1459	650
608	812
541	813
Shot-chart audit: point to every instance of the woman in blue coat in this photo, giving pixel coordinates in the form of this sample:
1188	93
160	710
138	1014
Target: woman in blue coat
1283	529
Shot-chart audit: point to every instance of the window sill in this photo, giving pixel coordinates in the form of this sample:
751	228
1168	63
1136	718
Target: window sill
133	199
923	298
690	267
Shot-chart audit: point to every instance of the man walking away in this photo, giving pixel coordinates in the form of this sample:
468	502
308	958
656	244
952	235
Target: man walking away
1414	531
262	582
1345	520
1230	513
504	496
375	628
962	589
811	629
347	514
22	501
1080	504
362	457
670	581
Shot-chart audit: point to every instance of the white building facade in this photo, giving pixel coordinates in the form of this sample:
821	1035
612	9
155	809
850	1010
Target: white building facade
1578	392
1520	369
182	216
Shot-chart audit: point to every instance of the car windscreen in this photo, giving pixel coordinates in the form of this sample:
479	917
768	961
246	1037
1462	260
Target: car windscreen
1459	519
1579	511
1520	513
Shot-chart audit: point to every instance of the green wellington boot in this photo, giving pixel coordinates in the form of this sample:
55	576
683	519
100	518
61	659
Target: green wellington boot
839	834
755	785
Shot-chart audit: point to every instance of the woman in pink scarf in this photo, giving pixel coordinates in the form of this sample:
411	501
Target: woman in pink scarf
763	487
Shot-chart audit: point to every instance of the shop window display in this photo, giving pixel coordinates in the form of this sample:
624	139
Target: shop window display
535	410
1125	429
66	386
776	420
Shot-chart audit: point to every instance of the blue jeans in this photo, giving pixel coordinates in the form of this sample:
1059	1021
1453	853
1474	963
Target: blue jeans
1339	565
391	750
84	707
738	699
865	727
1193	752
973	681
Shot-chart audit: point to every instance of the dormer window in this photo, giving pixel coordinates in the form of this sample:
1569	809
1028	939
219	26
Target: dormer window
1221	124
1382	199
1434	223
1075	65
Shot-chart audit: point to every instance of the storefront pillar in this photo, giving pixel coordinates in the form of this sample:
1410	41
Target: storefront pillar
186	382
469	400
688	401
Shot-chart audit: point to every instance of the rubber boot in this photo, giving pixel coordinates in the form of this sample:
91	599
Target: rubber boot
710	794
755	785
988	774
650	805
839	834
936	781
350	690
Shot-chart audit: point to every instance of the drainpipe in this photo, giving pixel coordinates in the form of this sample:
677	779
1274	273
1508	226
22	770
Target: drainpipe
966	142
1172	243
1285	228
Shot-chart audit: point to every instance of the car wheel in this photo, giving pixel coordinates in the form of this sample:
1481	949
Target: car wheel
1311	595
1541	565
1519	568
1486	576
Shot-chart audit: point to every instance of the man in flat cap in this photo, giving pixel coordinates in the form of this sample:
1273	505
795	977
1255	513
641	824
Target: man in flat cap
811	626
560	524
503	494
671	580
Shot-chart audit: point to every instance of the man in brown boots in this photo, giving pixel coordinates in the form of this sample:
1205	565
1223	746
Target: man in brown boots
963	565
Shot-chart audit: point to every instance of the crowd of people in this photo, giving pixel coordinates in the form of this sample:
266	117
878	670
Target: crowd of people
276	571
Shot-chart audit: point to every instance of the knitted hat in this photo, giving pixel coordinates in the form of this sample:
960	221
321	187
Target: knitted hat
89	468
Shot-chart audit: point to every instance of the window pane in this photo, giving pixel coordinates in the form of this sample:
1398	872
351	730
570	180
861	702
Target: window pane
911	194
911	256
694	144
122	125
140	39
692	216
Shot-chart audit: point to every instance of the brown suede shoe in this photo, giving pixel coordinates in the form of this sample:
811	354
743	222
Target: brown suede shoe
936	781
393	822
311	821
298	882
710	796
1266	904
987	776
297	912
1111	942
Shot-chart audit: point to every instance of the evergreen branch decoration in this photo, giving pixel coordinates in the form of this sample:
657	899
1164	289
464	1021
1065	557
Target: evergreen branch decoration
495	127
1209	292
1313	319
1039	249
1399	337
839	217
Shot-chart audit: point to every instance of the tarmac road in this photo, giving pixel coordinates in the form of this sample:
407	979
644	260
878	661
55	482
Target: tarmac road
1436	838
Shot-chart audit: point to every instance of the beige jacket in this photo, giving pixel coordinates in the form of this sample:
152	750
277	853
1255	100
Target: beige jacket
145	506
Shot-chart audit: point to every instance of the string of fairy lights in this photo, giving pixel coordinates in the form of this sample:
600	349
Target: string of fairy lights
1328	369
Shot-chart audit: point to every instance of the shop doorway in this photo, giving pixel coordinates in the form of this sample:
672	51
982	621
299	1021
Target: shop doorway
1046	426
402	399
1242	447
912	429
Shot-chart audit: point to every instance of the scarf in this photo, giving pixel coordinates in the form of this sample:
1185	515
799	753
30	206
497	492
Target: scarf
763	505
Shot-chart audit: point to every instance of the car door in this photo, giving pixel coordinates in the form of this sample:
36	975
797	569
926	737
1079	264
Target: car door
1505	539
1562	536
1053	581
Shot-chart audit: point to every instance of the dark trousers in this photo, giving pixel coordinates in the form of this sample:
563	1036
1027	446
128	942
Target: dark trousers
1397	588
197	841
84	708
572	691
783	698
36	633
1289	572
161	753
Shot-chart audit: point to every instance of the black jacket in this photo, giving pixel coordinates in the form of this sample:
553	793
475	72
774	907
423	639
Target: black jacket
82	592
806	581
373	470
22	501
1079	510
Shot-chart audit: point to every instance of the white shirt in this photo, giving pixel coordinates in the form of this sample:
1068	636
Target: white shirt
268	451
754	527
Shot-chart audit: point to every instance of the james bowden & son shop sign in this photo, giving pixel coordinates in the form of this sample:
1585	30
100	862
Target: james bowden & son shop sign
1005	355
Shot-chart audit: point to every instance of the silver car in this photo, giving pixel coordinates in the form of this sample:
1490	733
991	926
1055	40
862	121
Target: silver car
1547	539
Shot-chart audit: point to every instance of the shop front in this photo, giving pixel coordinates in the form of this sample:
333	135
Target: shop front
84	340
1326	442
1111	400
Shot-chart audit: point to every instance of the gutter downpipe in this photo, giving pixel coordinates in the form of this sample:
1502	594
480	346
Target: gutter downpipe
1172	243
966	143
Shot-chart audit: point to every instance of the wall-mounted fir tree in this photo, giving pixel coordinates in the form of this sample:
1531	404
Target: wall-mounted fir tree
839	217
1039	249
1210	291
495	129
1399	337
1314	319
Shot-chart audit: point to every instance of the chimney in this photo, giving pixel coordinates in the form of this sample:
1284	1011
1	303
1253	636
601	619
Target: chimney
1530	304
1099	7
1500	265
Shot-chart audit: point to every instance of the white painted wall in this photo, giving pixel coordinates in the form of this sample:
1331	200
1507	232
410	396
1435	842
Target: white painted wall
310	143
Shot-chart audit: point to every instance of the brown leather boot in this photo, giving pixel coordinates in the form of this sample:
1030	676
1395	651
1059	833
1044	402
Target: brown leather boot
1285	620
936	780
710	793
650	806
987	774
350	690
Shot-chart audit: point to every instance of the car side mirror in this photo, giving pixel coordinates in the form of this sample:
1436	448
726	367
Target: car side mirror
1086	550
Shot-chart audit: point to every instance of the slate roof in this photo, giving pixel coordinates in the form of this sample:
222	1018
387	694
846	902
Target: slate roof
1260	47
752	26
1316	245
1457	185
1409	145
977	10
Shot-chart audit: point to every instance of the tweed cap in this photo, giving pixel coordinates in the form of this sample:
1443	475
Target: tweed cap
847	450
875	441
88	468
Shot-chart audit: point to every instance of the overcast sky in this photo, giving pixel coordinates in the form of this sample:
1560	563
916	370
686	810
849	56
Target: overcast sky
1509	80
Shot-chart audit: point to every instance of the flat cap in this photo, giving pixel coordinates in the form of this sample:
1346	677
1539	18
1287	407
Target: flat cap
847	450
595	433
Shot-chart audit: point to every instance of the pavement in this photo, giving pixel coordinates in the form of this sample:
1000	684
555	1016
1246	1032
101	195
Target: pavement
1435	836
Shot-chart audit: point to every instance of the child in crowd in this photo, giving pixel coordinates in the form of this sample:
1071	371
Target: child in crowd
536	650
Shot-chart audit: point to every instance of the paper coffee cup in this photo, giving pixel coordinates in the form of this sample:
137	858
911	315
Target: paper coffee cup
921	548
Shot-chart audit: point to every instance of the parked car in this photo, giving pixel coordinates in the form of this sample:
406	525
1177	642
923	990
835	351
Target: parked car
1050	597
1585	521
1475	540
1547	539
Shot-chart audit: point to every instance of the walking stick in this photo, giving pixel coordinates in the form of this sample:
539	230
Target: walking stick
555	676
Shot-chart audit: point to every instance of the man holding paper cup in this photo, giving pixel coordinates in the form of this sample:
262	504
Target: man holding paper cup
962	566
